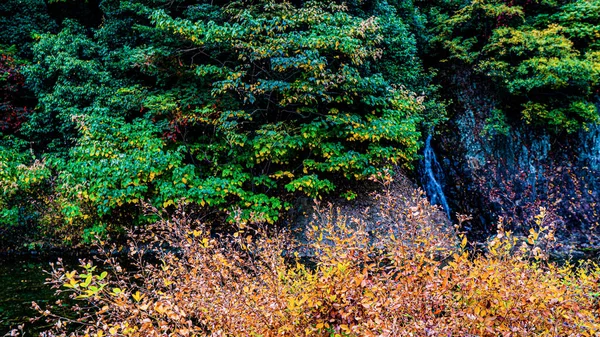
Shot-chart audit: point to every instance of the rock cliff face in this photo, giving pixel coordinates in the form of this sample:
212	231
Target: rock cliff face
516	174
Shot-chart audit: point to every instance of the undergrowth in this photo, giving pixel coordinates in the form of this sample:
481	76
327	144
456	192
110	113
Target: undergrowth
398	280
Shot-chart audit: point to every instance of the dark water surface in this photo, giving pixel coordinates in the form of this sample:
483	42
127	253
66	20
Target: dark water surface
22	282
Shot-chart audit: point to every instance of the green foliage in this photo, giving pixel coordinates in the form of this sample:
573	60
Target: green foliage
237	108
240	107
496	124
21	21
294	95
113	164
22	180
542	54
580	21
70	78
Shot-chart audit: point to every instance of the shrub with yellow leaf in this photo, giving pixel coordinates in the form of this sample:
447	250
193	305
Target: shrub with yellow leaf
396	280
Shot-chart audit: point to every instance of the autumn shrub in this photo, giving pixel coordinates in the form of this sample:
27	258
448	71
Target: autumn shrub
398	281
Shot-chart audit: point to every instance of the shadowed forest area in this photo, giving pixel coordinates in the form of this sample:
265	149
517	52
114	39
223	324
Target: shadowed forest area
300	168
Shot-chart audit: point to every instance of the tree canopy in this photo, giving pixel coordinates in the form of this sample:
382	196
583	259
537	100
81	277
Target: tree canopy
238	107
542	55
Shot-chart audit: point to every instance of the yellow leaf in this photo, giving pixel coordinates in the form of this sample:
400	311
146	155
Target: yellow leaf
160	308
71	284
138	296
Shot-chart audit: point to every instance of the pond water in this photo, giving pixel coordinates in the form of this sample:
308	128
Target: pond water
22	282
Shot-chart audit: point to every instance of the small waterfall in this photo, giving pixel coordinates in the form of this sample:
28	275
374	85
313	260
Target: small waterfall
431	171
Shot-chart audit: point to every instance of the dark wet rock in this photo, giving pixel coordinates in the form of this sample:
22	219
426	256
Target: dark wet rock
516	174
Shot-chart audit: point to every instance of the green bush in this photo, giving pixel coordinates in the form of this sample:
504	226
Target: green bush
542	55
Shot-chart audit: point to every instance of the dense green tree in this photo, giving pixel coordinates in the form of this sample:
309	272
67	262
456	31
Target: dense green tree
542	55
293	98
237	105
21	21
